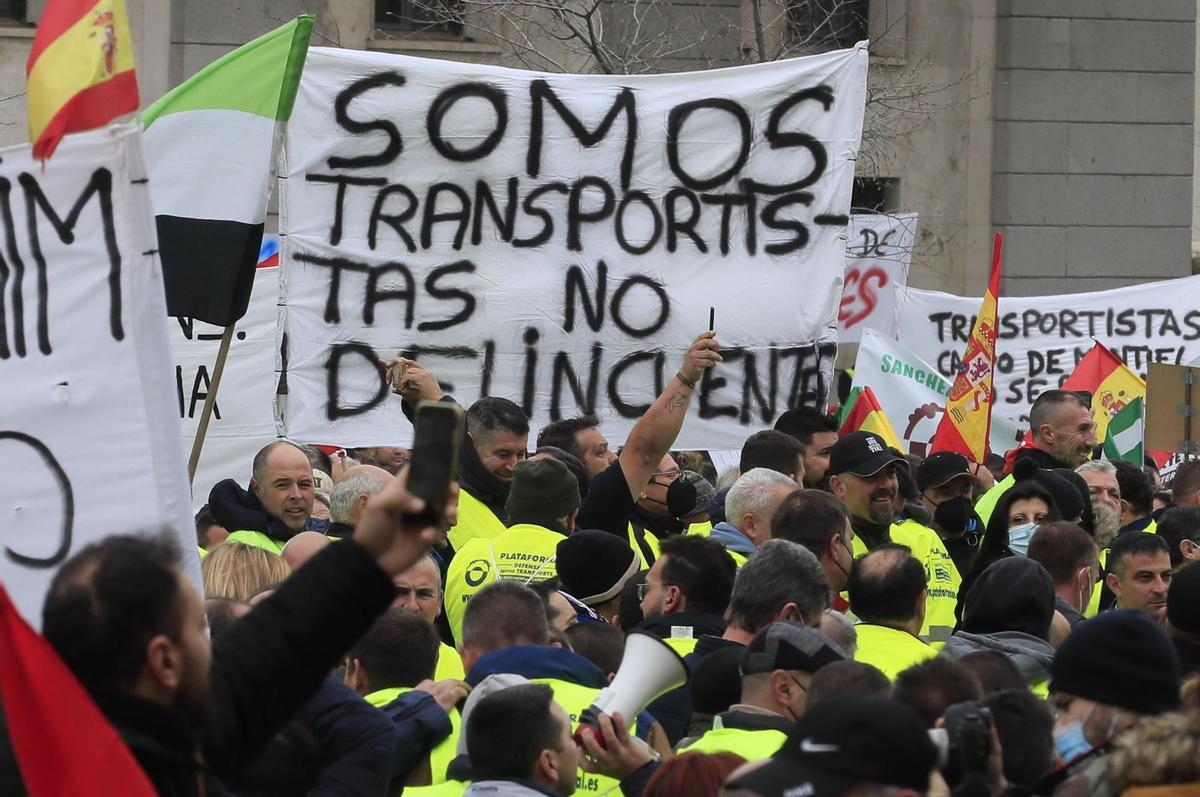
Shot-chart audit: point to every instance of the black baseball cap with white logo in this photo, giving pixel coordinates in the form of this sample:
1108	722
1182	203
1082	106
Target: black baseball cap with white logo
863	454
844	740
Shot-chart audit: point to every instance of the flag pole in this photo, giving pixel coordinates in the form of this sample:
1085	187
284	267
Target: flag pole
210	401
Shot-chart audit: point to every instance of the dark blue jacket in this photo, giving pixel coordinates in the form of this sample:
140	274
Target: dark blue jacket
419	724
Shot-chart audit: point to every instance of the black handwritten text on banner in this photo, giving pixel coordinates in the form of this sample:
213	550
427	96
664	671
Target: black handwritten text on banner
558	239
89	440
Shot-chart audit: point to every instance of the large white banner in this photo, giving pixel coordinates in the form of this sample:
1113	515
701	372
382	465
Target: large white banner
244	418
1041	338
89	435
913	394
878	254
559	239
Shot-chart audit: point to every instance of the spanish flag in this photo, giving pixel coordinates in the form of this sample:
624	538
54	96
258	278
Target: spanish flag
80	74
965	427
863	414
1112	385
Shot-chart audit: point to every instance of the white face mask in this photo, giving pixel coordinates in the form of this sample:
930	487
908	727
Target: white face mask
1019	536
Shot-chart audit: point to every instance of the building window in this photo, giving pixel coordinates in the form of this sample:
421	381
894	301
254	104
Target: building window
12	9
875	195
827	24
432	16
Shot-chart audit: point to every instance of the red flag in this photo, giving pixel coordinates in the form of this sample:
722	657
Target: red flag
64	745
965	426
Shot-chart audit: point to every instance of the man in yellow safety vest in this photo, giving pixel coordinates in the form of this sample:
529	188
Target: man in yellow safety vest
776	668
392	666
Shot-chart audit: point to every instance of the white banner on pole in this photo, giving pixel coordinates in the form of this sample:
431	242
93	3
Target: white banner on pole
89	435
244	419
559	239
913	394
878	253
1041	338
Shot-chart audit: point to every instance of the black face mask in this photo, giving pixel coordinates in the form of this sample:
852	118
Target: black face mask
957	518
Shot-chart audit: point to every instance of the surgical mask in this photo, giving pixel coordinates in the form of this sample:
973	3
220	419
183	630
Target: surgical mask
957	517
1018	538
1070	742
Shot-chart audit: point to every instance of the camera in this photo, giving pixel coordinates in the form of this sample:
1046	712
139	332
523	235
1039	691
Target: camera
964	747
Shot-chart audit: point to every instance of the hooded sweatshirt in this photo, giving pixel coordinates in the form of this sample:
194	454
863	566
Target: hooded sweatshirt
732	538
1009	609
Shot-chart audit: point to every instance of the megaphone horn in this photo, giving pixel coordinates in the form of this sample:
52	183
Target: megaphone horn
649	669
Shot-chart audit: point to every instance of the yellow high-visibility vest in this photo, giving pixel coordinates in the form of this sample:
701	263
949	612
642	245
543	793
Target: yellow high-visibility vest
257	539
474	520
442	753
941	577
752	745
890	650
449	664
524	553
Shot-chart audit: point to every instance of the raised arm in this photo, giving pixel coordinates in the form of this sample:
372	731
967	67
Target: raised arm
652	437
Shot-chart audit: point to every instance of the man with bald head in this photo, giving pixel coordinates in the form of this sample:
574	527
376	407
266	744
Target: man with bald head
1063	433
419	590
349	497
302	547
278	504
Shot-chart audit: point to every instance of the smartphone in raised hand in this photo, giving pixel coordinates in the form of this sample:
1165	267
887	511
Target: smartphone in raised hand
437	434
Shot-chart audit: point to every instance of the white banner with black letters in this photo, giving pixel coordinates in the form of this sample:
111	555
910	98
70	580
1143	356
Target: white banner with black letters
89	435
559	239
1041	338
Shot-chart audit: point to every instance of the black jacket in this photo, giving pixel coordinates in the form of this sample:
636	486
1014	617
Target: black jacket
674	709
265	667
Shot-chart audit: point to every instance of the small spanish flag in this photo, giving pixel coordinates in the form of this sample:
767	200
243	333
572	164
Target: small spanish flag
1112	384
80	74
863	414
965	427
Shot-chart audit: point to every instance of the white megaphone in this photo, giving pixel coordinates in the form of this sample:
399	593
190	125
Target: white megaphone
649	669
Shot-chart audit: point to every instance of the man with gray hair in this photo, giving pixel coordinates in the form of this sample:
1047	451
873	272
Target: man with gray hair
1101	478
749	508
782	581
350	495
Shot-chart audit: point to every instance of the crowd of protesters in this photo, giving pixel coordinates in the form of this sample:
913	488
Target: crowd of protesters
854	621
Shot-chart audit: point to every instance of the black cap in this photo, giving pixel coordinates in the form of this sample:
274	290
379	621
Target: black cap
844	740
593	566
1183	600
789	645
1119	658
863	454
939	468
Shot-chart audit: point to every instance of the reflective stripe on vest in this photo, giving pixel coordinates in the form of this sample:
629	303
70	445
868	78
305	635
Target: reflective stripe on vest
475	521
651	542
449	665
257	539
443	753
1093	607
890	650
941	577
574	699
750	745
524	553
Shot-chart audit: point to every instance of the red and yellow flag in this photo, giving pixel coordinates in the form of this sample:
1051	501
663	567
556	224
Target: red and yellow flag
965	426
80	74
1111	383
865	415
